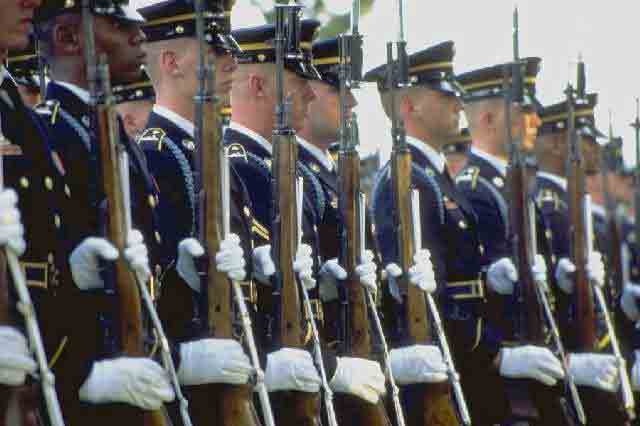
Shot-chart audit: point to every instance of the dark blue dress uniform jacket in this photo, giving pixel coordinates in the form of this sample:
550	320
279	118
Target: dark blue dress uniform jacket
94	332
170	153
450	232
30	169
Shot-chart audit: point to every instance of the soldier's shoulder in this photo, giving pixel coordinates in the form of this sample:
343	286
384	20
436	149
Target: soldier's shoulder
48	111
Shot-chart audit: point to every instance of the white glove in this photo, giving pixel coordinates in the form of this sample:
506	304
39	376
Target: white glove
188	250
596	370
331	272
539	271
291	369
137	381
420	274
84	262
11	228
418	364
531	362
213	361
629	301
565	269
229	259
635	373
502	276
15	359
263	266
137	255
360	377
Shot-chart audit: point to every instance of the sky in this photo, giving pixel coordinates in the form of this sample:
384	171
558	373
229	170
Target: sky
556	30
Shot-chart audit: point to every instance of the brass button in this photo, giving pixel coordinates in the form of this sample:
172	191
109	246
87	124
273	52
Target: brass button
50	258
67	190
48	183
152	201
247	211
24	182
56	220
158	238
462	224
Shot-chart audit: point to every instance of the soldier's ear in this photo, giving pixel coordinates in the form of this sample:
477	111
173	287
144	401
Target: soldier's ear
256	85
169	62
66	38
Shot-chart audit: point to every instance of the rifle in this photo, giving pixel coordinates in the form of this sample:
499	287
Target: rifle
355	299
291	407
9	263
531	296
581	230
432	401
224	403
636	174
115	184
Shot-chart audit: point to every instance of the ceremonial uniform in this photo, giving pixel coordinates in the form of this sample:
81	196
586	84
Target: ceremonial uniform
552	199
29	167
450	232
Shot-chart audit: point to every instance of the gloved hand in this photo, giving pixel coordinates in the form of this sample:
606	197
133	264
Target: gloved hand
566	268
85	258
502	276
629	301
213	361
137	255
136	381
418	364
360	377
331	272
15	359
291	369
11	228
596	370
263	266
531	362
420	274
229	259
635	372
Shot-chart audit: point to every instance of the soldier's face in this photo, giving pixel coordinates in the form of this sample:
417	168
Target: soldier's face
188	63
122	43
437	112
524	127
16	22
299	91
324	111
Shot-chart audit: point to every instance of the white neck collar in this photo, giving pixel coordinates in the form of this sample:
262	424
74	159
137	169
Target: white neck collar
184	124
436	158
253	135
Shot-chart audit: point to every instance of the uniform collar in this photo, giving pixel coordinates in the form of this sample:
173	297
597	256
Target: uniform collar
436	158
184	124
317	153
499	164
253	135
81	93
558	180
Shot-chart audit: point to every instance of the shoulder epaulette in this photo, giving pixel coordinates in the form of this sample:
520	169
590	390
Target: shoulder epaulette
469	174
48	110
154	136
236	150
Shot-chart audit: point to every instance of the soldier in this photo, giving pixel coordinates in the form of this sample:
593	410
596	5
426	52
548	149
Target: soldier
484	184
457	152
170	148
254	100
91	371
134	101
450	230
552	198
24	67
29	162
